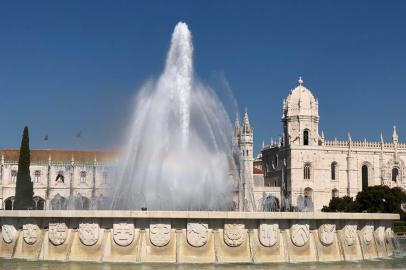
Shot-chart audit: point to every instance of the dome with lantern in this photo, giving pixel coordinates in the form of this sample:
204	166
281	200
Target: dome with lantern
300	102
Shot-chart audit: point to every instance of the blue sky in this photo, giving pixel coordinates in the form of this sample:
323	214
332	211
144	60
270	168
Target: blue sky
67	66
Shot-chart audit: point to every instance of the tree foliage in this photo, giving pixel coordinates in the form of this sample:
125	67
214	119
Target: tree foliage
375	199
24	187
343	204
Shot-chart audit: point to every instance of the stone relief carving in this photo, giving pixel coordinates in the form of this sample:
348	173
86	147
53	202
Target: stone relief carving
268	234
9	233
89	233
380	235
350	234
300	234
234	234
31	233
327	233
57	233
368	234
197	234
160	234
123	234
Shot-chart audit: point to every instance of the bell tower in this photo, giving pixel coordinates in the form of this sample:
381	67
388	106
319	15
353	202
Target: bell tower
300	117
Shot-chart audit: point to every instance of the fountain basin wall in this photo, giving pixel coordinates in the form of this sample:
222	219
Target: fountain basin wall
195	237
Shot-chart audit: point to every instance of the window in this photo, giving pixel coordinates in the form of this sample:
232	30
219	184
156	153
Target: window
13	176
306	137
306	171
60	178
275	162
395	174
105	177
333	170
83	177
308	200
364	172
334	193
37	176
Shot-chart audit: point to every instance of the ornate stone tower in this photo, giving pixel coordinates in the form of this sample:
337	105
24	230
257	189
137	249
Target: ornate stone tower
300	117
243	143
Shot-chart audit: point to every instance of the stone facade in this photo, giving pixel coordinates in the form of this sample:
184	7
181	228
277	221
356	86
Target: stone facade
59	174
309	170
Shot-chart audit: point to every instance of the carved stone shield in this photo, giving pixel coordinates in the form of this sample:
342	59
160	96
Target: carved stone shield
57	234
197	234
368	234
160	234
89	233
9	233
123	234
300	234
350	234
380	235
234	234
31	233
268	234
388	235
326	234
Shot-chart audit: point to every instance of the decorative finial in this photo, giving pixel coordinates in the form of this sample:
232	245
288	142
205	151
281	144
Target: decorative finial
395	135
300	81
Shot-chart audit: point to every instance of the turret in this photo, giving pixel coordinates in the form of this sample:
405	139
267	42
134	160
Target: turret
246	158
300	117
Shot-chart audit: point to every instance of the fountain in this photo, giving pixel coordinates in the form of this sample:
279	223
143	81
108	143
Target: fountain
178	155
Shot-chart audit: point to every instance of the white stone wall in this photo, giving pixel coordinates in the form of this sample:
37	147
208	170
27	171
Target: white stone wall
97	180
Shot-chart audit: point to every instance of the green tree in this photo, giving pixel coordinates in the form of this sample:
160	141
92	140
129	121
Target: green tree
381	199
343	204
24	187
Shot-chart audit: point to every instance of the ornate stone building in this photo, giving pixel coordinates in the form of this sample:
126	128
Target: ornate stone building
253	195
310	170
59	175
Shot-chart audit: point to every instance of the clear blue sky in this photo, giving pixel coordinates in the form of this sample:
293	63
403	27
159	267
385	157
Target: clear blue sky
70	65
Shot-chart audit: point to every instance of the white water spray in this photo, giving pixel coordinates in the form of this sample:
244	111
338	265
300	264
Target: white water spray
179	153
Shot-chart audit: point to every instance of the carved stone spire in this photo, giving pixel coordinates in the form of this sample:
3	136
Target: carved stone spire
246	127
395	137
237	127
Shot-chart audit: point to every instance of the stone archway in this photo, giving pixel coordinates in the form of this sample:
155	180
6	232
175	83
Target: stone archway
38	203
9	203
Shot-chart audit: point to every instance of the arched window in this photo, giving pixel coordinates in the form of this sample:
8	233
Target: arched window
13	176
333	170
306	171
308	199
395	174
9	203
37	176
83	177
364	172
334	193
105	177
306	137
38	203
60	177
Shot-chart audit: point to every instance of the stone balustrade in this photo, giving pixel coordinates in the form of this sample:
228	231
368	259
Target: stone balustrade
195	237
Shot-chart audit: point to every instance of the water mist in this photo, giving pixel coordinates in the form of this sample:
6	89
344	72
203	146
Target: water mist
179	153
